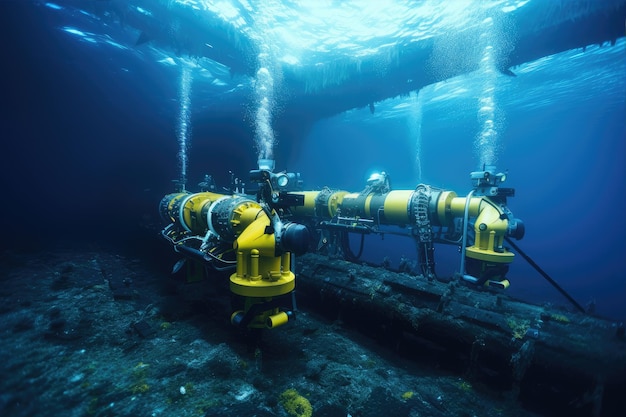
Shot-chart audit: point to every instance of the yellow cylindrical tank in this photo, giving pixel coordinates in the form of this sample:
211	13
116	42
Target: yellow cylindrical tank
396	207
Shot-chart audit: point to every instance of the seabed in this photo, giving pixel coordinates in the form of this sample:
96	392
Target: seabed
92	332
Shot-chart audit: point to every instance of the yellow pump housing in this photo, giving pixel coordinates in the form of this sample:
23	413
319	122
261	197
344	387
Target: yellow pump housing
260	240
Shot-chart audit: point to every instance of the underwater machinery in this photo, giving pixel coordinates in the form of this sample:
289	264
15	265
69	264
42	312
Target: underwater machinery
427	214
232	231
540	353
256	237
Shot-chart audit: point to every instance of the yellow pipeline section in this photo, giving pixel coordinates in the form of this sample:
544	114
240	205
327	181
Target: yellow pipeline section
226	216
322	204
396	208
394	205
191	210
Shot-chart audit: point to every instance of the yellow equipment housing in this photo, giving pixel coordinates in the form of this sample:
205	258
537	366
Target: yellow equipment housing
234	230
263	267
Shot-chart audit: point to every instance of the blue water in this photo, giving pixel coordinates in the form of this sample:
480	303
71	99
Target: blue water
97	127
565	163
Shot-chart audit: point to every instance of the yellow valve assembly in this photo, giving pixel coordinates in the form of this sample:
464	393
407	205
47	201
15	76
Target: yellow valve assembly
229	231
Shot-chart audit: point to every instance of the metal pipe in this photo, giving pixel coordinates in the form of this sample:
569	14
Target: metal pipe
465	222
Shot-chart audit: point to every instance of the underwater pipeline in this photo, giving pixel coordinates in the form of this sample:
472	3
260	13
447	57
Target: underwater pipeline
255	235
466	324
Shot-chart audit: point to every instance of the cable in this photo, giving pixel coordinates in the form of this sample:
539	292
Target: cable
545	275
345	243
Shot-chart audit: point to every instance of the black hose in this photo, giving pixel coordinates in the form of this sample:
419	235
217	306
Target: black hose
545	275
345	242
190	252
201	256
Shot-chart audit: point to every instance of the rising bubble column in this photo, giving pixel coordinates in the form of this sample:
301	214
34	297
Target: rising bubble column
487	139
264	95
184	120
415	129
267	81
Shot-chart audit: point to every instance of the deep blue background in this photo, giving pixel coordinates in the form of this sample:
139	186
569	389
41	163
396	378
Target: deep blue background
566	163
88	155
